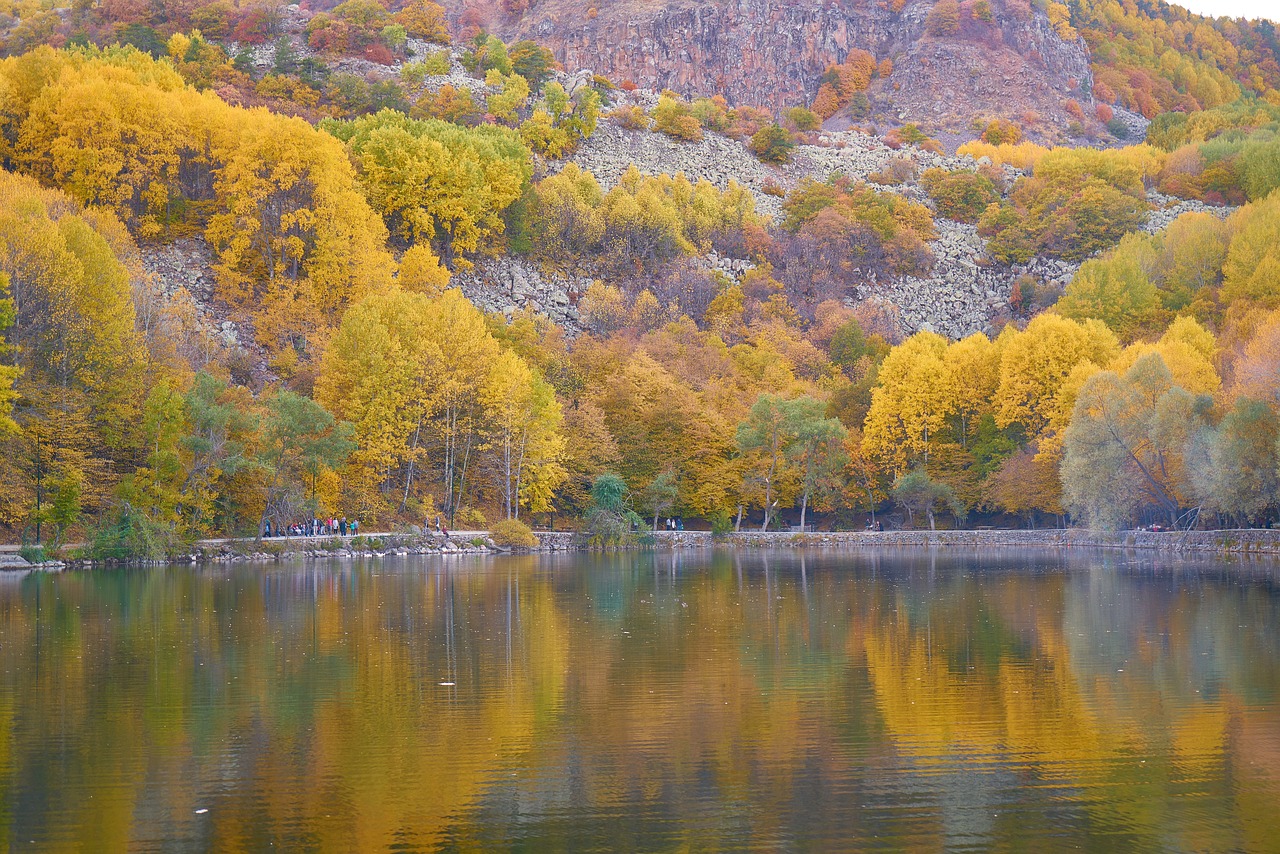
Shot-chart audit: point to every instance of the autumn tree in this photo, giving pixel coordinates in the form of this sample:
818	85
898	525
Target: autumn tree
524	443
436	182
1126	445
1241	474
920	494
912	401
817	454
300	443
1117	289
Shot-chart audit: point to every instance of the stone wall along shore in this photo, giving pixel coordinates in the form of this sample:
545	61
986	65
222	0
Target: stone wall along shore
1246	541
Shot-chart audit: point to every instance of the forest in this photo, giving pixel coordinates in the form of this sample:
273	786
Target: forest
339	212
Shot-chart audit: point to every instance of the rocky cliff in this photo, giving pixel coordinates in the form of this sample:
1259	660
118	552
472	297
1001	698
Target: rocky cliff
773	52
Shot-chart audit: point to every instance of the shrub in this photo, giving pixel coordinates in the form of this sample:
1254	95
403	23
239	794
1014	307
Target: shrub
675	118
32	553
629	118
512	533
911	134
802	119
1002	132
960	195
944	19
772	144
897	171
127	534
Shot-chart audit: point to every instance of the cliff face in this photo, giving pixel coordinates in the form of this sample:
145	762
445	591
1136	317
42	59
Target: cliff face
773	52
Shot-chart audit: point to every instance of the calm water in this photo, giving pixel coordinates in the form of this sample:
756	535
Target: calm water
925	701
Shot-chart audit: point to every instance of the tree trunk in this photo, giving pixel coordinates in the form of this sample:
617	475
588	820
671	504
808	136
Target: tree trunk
804	506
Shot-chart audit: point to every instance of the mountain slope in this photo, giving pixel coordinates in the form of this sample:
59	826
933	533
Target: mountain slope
774	53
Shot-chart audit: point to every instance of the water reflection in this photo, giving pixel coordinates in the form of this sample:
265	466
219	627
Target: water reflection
906	700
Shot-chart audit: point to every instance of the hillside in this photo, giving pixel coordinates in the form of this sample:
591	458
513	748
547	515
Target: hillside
351	261
1045	64
774	54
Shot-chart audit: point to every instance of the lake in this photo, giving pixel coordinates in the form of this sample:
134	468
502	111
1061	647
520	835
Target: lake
921	700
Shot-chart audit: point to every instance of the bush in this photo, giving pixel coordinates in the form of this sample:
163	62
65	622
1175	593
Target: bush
772	144
959	195
911	134
629	118
803	120
1117	128
128	534
944	19
675	118
1002	132
897	171
33	554
512	533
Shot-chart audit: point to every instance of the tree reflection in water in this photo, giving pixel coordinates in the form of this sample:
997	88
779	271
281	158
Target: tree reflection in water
642	701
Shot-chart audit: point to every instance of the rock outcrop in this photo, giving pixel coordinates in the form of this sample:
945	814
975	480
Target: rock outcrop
773	52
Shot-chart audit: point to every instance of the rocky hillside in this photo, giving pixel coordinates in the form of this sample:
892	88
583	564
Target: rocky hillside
966	291
774	52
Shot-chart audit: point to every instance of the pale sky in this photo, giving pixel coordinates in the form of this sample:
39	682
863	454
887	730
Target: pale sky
1233	8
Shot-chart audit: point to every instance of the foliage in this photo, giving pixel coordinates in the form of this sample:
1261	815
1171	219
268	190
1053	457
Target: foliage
277	200
772	144
884	228
675	118
959	195
638	225
512	533
436	182
1077	202
920	494
1126	447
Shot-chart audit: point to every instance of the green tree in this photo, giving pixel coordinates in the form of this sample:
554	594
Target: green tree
1117	289
1242	478
1127	444
299	442
817	453
920	494
660	495
772	144
767	432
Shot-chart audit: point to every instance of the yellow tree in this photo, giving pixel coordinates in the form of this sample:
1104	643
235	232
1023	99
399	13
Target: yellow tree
378	374
523	443
1188	351
974	366
1251	274
1035	364
912	402
468	353
8	373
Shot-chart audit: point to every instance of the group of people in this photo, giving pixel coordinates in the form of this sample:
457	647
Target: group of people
333	526
438	525
675	524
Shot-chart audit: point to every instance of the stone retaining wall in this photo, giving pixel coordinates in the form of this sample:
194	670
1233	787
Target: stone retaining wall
1250	541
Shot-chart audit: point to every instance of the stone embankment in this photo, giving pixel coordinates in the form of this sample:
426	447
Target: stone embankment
1245	541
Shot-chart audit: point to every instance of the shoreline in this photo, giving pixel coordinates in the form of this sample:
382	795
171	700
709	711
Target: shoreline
1254	542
